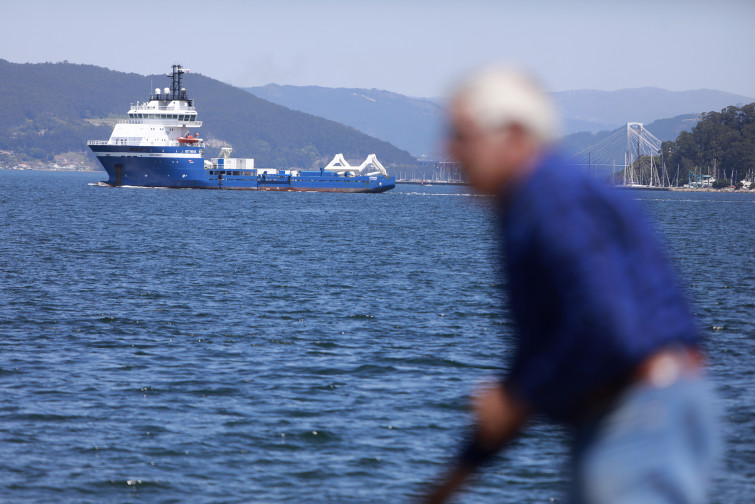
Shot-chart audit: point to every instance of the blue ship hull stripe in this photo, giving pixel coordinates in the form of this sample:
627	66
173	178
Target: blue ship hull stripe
177	171
148	155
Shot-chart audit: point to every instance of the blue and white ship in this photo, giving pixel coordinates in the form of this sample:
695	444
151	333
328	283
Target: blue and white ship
157	146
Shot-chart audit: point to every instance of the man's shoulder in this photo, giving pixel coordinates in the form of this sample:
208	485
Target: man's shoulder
562	199
559	171
558	180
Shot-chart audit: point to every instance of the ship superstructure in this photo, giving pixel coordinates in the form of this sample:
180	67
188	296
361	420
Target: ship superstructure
158	146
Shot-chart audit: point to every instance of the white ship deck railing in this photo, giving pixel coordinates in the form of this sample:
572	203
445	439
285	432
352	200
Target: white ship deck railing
181	106
171	122
199	145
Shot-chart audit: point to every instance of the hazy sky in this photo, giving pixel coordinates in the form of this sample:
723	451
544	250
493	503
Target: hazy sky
413	47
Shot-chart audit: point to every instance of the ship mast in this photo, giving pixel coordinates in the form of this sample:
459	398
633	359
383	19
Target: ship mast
177	92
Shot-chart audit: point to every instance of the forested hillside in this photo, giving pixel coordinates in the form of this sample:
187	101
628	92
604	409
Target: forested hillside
51	108
722	144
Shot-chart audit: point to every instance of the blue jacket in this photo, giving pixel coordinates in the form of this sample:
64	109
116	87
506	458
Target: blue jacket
591	290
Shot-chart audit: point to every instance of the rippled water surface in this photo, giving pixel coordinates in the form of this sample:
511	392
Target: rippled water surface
219	346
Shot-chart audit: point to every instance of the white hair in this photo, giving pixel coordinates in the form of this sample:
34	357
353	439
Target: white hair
500	96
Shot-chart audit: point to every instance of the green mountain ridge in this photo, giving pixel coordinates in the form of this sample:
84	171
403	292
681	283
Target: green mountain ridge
52	108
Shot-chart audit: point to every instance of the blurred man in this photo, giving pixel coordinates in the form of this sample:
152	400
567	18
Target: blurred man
605	343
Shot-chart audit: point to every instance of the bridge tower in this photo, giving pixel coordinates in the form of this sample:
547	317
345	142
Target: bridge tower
641	157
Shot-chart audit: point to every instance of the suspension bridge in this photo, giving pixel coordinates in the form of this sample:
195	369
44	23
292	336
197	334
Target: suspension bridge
634	151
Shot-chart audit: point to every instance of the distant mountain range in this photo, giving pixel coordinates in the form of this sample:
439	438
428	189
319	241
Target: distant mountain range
417	124
52	108
591	110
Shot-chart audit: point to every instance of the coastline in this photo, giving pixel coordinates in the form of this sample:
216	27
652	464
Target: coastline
68	161
47	168
686	189
90	169
710	189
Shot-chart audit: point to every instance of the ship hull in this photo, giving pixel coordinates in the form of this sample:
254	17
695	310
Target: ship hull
183	167
152	166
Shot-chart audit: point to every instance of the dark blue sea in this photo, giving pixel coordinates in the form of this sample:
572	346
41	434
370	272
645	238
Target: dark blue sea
185	346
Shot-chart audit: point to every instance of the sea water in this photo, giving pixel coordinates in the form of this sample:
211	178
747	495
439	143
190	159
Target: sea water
219	346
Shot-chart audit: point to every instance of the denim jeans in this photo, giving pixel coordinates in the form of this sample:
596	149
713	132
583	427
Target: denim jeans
658	445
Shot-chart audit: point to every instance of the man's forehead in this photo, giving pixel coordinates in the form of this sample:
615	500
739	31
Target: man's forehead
461	115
